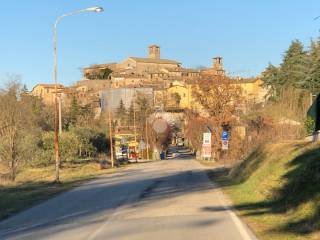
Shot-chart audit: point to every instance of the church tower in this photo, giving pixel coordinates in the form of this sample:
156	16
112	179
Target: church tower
218	66
154	52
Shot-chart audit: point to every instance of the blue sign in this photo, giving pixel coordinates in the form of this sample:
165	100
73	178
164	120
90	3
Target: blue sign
225	135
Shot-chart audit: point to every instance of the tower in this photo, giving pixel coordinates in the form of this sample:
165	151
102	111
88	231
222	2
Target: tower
154	52
217	66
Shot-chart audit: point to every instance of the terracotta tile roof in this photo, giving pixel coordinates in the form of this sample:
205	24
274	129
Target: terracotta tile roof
49	85
246	80
100	66
190	70
151	60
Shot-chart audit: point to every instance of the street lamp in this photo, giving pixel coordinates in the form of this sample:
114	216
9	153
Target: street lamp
56	113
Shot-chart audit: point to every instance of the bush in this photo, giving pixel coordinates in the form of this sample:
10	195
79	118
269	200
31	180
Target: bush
309	125
92	141
68	147
74	144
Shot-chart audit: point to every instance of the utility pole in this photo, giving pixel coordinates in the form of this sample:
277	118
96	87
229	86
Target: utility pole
60	116
147	139
134	129
110	136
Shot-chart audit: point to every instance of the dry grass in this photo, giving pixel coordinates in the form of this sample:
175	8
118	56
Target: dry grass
209	163
275	191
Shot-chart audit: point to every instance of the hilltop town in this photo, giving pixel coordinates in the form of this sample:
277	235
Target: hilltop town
147	147
168	84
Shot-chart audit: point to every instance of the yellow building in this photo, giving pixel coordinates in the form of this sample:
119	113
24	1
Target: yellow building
46	92
252	89
179	95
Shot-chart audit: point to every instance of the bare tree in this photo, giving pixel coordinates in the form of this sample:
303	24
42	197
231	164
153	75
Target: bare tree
219	99
16	120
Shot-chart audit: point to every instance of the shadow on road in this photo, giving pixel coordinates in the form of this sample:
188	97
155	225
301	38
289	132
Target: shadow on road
90	203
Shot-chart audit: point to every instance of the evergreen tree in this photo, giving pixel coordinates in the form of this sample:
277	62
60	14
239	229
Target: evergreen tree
312	79
74	111
24	89
121	111
295	65
272	80
130	114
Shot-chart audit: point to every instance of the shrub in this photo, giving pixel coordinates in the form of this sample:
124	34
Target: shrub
309	125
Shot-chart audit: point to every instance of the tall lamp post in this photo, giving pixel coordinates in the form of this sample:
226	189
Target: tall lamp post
56	109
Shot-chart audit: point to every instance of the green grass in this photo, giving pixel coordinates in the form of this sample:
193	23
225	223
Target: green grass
34	185
277	190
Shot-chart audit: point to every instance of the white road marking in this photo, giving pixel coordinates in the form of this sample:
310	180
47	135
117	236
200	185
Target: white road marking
242	230
237	222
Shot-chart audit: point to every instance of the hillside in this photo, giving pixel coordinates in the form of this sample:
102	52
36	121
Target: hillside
277	190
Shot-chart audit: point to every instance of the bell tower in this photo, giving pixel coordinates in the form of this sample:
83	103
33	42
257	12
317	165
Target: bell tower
218	66
154	52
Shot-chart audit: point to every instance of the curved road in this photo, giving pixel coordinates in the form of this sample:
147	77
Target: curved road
171	199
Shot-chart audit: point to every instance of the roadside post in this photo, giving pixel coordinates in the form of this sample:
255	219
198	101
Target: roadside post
225	144
142	145
206	145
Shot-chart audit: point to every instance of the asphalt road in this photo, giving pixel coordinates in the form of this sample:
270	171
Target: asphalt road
170	199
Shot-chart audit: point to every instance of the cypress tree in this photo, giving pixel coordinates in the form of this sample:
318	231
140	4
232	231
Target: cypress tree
74	111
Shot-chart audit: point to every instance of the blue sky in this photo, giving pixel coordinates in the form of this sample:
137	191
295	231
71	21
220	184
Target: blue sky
248	34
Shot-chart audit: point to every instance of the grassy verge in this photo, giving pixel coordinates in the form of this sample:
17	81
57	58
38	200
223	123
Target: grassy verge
207	163
34	185
276	190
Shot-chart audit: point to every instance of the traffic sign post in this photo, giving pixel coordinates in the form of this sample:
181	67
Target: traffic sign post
206	145
142	145
225	135
225	145
225	140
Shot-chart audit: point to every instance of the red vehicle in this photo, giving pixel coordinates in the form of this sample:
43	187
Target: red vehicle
132	153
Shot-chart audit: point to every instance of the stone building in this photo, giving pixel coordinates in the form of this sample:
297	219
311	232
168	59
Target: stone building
152	71
169	81
46	92
138	65
216	69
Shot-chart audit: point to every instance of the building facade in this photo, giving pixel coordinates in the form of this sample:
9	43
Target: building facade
46	92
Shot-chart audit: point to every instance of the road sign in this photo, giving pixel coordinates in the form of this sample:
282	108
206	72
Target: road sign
225	135
206	151
207	138
142	145
225	144
206	145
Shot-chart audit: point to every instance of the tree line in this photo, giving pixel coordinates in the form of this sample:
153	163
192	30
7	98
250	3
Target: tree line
26	131
300	68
